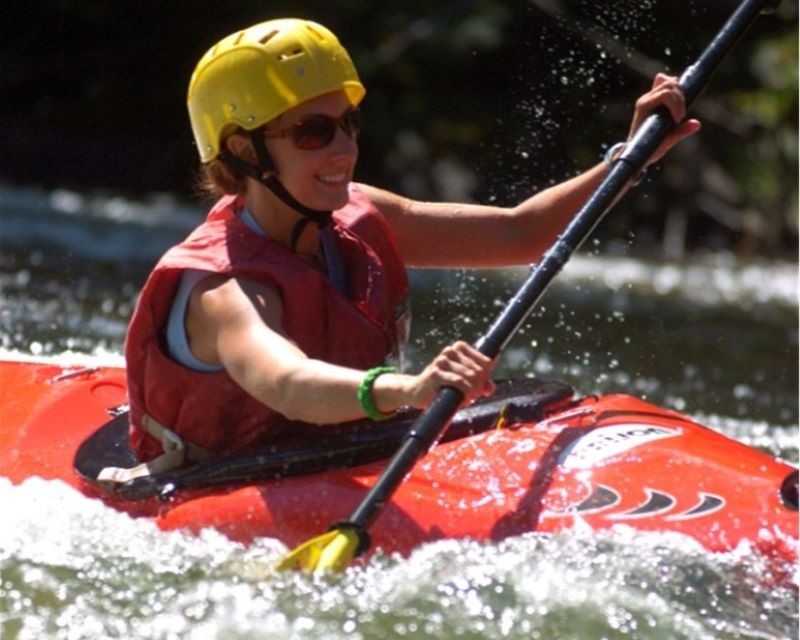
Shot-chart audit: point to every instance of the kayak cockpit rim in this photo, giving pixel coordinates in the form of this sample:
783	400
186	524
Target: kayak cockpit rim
311	449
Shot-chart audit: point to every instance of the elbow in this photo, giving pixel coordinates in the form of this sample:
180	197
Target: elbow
281	394
292	410
288	406
290	398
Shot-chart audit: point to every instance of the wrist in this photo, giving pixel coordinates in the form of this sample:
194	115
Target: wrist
612	156
613	153
374	393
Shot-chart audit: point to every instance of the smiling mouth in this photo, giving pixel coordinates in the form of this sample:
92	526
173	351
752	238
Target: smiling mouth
334	179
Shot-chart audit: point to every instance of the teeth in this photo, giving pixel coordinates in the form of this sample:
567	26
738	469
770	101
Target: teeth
331	179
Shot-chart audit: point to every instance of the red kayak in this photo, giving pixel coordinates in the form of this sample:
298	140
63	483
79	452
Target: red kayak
532	458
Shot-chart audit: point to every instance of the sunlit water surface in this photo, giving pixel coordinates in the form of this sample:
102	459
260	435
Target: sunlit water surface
713	337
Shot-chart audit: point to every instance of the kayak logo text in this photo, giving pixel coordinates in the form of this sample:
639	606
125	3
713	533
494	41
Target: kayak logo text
606	442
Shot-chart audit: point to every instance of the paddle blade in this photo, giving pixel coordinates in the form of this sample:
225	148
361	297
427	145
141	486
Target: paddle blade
331	551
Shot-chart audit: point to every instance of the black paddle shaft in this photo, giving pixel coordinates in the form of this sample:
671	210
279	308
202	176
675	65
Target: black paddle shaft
434	420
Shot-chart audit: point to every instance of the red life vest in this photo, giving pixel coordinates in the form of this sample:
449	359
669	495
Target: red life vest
209	409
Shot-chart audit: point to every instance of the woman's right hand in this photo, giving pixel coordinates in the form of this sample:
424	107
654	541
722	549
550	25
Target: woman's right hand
665	92
459	365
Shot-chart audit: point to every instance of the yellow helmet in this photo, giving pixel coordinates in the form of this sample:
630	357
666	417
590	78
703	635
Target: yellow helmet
255	75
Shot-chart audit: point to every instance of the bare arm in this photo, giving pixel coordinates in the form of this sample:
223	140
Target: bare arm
430	234
436	234
237	323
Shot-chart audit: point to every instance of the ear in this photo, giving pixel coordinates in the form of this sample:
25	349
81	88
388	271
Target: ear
240	146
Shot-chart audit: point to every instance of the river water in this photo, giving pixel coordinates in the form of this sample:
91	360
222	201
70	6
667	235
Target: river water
714	337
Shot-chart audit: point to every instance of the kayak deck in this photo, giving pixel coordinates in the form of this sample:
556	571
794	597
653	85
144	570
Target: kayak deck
599	461
304	449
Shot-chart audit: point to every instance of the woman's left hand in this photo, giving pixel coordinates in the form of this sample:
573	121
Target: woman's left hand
665	92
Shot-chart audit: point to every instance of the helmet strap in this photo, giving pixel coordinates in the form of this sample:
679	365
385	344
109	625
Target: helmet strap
266	173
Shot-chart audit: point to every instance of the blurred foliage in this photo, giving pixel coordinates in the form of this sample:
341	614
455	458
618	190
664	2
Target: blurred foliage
467	99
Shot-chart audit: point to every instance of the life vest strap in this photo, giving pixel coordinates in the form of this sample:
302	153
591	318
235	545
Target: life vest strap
176	452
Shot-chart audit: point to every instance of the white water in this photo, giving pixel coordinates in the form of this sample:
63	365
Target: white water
87	571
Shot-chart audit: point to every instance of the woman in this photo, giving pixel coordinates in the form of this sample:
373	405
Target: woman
276	309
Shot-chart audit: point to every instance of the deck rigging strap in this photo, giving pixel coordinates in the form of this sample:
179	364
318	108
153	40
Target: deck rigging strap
176	452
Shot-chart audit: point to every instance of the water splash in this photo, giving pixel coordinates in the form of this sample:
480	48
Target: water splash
718	279
87	571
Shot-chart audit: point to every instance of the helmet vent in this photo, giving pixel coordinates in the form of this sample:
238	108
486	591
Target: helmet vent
318	35
290	53
268	37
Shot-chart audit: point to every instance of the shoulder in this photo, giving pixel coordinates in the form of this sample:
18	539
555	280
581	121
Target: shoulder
391	212
221	299
388	203
228	309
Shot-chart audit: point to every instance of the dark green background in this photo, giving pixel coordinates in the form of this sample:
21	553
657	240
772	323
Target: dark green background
466	99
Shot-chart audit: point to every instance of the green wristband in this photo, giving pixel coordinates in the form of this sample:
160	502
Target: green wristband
365	398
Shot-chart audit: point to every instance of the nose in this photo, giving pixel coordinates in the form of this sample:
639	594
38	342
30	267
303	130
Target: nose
343	143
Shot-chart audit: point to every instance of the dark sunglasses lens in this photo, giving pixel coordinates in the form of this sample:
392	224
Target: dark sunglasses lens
314	132
318	131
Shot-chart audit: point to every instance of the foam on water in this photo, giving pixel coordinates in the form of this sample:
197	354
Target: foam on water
781	442
99	226
718	279
74	568
100	357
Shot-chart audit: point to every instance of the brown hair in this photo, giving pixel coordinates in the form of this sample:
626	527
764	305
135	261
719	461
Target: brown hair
216	179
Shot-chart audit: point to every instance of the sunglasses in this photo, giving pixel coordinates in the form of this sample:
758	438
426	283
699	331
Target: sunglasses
318	130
